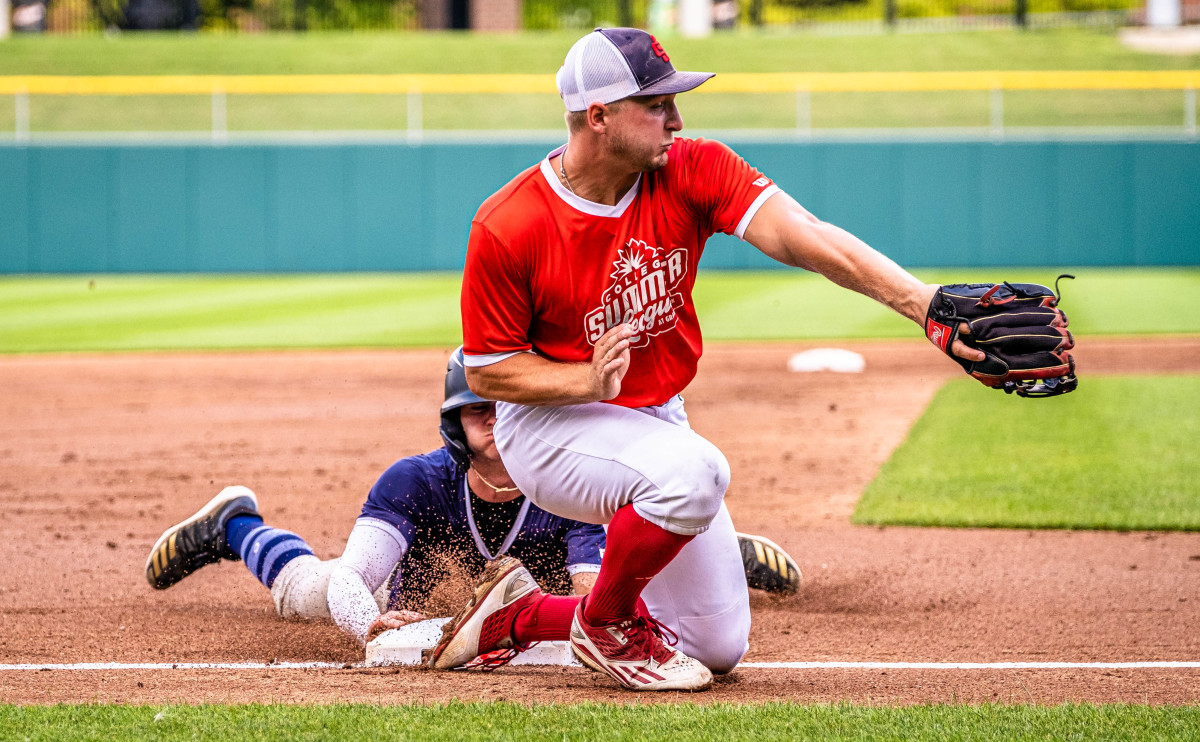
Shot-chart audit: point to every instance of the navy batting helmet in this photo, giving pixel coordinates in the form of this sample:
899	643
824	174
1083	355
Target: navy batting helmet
458	395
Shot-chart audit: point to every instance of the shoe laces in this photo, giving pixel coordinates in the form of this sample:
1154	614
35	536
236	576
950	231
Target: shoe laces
651	635
489	661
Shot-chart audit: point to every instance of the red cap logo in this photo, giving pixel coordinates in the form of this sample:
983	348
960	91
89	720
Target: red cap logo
658	50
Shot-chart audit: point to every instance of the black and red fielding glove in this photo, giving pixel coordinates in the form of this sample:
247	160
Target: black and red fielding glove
1017	325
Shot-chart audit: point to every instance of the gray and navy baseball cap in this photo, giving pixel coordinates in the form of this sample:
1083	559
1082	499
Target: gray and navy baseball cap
614	63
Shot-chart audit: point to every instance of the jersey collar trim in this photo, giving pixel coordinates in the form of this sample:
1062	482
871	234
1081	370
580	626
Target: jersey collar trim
582	204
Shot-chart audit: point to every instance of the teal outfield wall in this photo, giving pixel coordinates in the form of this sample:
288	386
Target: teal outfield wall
392	207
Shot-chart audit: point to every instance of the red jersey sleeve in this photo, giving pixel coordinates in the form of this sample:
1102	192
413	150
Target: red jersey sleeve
495	302
724	189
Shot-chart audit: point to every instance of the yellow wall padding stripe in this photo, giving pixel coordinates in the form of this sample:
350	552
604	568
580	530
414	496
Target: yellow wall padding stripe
509	84
275	84
835	82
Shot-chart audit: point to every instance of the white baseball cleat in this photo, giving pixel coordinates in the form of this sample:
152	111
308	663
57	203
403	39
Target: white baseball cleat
481	634
633	653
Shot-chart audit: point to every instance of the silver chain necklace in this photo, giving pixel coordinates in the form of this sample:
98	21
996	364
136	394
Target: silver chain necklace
562	170
512	534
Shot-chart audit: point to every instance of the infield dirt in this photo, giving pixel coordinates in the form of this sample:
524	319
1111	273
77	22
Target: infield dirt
99	454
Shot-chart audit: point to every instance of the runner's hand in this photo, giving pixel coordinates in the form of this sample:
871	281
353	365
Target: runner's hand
392	620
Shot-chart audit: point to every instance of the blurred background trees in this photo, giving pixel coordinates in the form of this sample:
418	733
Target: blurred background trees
82	16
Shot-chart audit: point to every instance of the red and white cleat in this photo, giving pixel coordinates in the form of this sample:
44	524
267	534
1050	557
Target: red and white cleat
481	634
633	653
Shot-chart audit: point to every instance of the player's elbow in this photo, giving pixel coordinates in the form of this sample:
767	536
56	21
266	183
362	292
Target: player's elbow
488	382
477	380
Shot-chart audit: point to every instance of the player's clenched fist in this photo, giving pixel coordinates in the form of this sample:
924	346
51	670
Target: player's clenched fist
610	361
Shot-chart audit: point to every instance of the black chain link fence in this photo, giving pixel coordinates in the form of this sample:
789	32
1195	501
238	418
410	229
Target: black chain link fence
87	16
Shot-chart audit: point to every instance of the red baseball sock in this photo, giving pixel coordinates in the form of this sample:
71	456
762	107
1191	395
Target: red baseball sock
636	551
642	609
547	620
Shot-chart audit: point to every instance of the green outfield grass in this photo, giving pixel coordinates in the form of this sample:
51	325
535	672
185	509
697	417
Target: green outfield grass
601	722
323	53
1101	301
185	312
1119	453
138	312
542	52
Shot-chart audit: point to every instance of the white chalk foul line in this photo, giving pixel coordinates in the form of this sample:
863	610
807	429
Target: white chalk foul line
185	666
1166	665
967	665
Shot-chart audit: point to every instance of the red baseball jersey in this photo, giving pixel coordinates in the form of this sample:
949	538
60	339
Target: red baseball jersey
550	272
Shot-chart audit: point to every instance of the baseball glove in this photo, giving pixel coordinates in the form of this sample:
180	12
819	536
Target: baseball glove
1017	325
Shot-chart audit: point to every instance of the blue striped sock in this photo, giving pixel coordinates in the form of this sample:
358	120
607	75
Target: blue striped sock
236	531
265	550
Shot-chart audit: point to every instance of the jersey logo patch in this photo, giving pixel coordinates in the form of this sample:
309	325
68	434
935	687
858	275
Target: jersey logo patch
646	292
761	182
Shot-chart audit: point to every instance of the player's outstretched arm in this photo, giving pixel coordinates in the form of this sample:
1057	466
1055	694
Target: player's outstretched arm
529	379
785	231
371	553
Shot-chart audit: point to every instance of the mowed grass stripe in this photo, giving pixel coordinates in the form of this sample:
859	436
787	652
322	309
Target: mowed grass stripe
792	304
1119	453
171	312
138	312
601	722
754	305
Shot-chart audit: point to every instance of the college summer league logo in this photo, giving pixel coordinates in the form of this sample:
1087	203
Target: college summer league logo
644	293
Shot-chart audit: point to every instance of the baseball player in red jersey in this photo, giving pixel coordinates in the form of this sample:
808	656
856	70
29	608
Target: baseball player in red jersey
578	318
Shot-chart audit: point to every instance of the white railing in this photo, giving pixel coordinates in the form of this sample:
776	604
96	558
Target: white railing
416	87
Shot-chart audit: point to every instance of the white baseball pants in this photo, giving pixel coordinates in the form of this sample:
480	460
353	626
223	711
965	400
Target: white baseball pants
587	461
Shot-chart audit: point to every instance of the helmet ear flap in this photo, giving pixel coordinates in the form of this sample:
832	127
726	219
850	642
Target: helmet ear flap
455	438
457	395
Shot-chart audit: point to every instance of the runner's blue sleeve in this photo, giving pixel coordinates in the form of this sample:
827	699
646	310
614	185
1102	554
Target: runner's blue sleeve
585	546
403	495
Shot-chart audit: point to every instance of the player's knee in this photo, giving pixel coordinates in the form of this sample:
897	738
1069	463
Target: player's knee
686	484
723	652
724	656
299	588
719	641
703	478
